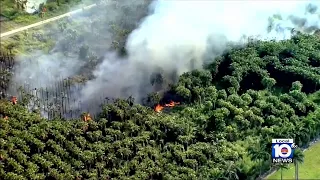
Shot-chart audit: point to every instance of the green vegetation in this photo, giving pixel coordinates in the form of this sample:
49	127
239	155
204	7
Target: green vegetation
27	42
40	38
222	129
309	169
18	17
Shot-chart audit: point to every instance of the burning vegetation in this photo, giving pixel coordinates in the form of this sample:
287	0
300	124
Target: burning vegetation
86	117
172	104
14	100
158	108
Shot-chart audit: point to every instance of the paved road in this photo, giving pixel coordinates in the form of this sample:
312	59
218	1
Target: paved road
45	21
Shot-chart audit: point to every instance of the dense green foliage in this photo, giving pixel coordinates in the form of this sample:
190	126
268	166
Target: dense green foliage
223	128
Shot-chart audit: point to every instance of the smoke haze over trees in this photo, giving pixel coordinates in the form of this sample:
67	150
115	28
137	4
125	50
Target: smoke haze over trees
171	40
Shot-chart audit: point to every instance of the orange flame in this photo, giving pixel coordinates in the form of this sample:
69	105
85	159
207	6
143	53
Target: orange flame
14	100
158	108
171	104
87	117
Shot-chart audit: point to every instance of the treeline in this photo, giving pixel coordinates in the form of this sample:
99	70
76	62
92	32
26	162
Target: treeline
222	128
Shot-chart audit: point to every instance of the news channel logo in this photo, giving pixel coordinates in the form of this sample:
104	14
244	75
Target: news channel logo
282	150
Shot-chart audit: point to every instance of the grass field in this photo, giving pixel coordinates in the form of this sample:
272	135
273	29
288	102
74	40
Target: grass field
18	18
309	169
24	42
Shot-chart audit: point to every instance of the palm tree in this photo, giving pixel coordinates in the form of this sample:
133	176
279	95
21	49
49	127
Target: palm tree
298	158
257	153
282	166
230	171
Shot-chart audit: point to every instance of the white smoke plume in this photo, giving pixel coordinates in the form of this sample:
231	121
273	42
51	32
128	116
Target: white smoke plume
177	35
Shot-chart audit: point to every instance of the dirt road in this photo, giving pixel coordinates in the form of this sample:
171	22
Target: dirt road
46	21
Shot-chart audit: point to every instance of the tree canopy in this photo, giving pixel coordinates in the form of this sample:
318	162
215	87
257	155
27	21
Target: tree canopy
222	129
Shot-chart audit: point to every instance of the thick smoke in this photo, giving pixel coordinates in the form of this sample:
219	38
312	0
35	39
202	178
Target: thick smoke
177	35
174	38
